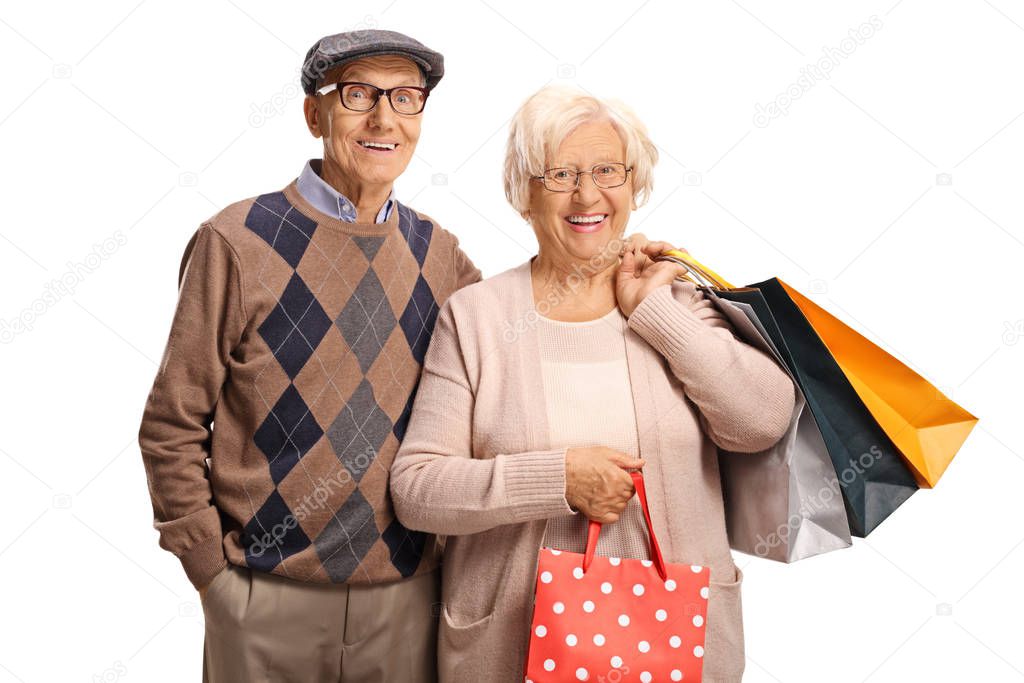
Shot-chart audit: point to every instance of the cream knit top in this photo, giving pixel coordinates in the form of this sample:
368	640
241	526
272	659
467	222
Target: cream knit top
589	403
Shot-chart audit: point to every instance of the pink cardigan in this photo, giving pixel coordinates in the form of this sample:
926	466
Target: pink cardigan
476	466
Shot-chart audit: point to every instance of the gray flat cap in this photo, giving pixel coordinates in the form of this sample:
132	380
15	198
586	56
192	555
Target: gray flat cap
332	51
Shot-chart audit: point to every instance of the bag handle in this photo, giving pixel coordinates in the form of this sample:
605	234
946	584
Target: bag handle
695	268
594	530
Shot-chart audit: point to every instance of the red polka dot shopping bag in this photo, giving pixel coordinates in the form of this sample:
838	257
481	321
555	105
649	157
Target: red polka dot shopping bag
616	620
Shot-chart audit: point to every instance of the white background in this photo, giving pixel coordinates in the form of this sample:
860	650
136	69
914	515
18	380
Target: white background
132	123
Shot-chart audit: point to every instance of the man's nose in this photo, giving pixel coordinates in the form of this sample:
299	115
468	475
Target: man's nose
382	116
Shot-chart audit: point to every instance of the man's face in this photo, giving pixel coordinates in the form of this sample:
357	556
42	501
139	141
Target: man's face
346	132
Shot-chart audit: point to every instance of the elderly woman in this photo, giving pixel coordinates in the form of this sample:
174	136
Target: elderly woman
545	384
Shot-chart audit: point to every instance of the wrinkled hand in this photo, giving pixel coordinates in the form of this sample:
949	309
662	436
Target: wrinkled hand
634	282
646	250
597	483
204	589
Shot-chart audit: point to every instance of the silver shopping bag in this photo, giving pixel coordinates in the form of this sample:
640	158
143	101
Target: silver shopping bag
784	503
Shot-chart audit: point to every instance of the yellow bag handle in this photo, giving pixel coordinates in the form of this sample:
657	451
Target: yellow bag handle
684	258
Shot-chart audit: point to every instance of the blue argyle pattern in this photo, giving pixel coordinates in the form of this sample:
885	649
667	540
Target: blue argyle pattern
299	332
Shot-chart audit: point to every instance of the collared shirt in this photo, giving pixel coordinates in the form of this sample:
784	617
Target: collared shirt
326	199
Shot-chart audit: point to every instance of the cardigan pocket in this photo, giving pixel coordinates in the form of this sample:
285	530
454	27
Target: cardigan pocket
457	638
724	658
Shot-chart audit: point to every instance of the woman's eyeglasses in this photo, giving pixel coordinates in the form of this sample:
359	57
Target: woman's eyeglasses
568	179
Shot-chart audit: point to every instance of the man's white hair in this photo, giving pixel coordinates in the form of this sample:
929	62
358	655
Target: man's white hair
548	117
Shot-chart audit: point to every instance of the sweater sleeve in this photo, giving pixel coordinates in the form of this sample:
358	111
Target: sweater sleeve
466	273
438	485
175	433
745	399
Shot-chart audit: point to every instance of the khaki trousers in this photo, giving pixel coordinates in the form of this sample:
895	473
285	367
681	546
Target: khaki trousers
263	628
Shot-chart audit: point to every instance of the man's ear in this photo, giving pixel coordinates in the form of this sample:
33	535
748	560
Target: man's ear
311	110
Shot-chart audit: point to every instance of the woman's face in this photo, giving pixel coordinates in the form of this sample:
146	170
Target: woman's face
580	225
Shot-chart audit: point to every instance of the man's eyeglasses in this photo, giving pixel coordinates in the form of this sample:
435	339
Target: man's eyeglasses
568	179
363	97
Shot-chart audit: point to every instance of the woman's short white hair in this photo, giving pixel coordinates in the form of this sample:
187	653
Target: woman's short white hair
548	117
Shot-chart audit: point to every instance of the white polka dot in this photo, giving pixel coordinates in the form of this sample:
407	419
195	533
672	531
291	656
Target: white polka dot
623	620
558	608
549	665
555	552
582	674
676	675
670	585
646	563
638	589
704	592
541	630
696	568
616	661
645	677
588	606
571	640
598	639
675	641
698	651
545	577
614	561
643	646
661	615
698	620
577	572
606	588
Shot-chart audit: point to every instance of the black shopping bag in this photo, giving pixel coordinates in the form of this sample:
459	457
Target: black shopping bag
870	471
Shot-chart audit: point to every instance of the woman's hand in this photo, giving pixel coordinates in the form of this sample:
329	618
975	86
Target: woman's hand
596	481
646	250
635	281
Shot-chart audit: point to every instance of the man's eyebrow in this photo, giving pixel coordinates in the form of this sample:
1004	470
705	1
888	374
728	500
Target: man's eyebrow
362	76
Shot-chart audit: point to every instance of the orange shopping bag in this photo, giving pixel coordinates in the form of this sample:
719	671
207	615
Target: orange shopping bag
925	425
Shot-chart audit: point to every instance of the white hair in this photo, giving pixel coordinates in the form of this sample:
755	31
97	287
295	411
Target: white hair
548	117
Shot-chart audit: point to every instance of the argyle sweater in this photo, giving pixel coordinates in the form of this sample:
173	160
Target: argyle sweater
286	387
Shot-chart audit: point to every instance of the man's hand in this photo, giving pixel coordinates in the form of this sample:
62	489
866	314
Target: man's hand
597	483
632	284
204	589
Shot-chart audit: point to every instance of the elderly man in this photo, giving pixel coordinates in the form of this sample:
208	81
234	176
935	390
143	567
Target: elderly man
302	321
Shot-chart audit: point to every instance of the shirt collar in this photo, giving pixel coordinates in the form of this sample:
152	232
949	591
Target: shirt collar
326	199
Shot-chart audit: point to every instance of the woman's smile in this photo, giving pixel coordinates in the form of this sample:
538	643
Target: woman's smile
586	222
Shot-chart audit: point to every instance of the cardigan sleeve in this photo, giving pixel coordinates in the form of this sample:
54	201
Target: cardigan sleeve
745	399
438	484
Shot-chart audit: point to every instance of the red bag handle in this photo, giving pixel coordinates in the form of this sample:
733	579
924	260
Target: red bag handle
594	530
